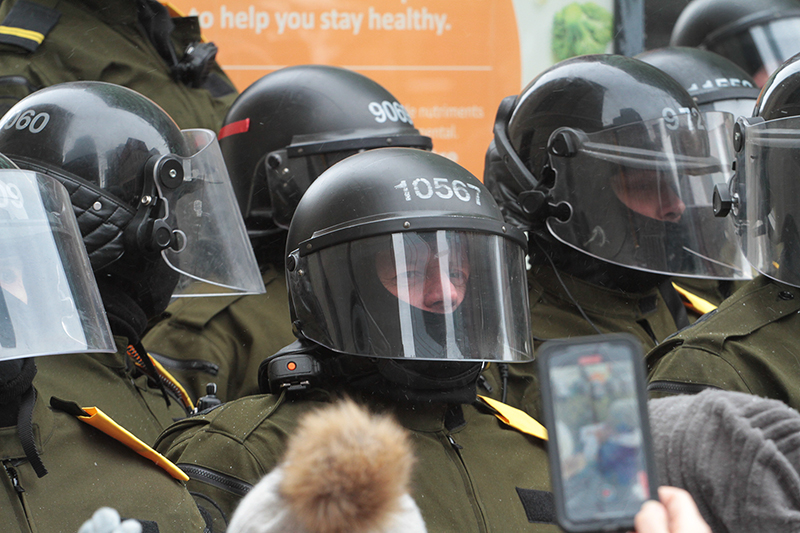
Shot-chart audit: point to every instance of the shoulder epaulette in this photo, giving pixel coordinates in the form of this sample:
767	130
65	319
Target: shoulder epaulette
517	419
27	24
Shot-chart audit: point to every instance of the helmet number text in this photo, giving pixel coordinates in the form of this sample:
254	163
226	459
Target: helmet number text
391	111
441	187
30	120
673	120
10	195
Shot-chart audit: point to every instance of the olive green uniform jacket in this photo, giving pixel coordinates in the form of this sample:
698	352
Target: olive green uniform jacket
554	315
102	40
111	383
480	476
223	339
750	344
86	470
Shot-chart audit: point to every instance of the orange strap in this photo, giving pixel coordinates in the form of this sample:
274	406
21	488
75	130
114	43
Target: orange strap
101	421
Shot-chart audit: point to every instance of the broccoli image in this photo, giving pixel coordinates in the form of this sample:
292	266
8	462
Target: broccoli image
581	29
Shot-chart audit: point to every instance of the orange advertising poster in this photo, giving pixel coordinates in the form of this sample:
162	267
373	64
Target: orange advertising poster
449	63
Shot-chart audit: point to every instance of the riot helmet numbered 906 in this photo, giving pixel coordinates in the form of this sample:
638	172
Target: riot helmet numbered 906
402	254
143	190
764	194
757	35
612	157
49	302
288	127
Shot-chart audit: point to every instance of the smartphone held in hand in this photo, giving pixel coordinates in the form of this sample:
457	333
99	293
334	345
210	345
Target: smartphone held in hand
595	406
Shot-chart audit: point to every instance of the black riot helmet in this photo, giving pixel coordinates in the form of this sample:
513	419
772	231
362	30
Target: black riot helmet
153	202
716	83
288	127
757	35
399	253
611	157
764	193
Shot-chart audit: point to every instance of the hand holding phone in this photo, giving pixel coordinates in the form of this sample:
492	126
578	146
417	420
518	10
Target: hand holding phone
595	407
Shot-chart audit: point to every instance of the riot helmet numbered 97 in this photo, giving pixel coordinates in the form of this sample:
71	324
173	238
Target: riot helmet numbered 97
145	193
402	254
612	157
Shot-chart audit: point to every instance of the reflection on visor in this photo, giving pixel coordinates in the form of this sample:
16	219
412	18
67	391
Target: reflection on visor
215	258
641	196
426	295
768	210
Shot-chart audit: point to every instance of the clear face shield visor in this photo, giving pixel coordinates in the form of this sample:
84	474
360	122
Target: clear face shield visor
49	302
641	195
209	245
767	197
446	294
761	48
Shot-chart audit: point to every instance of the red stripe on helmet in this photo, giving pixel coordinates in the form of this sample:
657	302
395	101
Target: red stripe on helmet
240	126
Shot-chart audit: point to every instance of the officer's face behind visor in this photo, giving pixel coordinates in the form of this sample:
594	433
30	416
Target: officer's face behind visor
641	194
431	280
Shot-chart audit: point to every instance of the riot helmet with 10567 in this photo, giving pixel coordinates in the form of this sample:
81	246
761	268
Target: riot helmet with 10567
140	186
289	126
400	253
612	157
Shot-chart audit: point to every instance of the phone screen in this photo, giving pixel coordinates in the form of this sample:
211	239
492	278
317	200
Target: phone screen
598	430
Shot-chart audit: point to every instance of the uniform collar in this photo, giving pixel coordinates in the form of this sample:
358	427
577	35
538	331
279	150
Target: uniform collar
593	298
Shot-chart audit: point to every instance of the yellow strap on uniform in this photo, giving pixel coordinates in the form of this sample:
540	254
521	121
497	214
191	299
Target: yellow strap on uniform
515	418
101	421
24	34
699	304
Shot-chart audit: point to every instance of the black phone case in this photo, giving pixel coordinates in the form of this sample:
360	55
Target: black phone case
543	356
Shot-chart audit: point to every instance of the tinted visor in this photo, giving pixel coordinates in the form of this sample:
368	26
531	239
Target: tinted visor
49	302
641	196
428	295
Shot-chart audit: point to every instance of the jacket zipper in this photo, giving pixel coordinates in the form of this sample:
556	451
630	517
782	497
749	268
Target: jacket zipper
216	479
481	520
674	387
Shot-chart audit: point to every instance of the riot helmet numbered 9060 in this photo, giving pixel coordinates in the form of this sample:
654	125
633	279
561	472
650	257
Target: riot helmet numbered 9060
49	302
288	127
402	254
764	194
757	35
143	190
612	157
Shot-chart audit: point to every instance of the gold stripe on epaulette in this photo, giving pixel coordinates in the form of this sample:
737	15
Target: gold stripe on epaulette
24	34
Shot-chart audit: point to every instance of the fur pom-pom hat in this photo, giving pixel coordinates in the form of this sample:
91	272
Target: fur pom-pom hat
345	471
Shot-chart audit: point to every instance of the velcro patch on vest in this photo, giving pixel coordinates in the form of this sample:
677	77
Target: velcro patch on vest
539	505
27	24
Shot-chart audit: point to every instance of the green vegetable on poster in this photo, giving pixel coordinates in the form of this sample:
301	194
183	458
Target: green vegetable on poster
581	29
